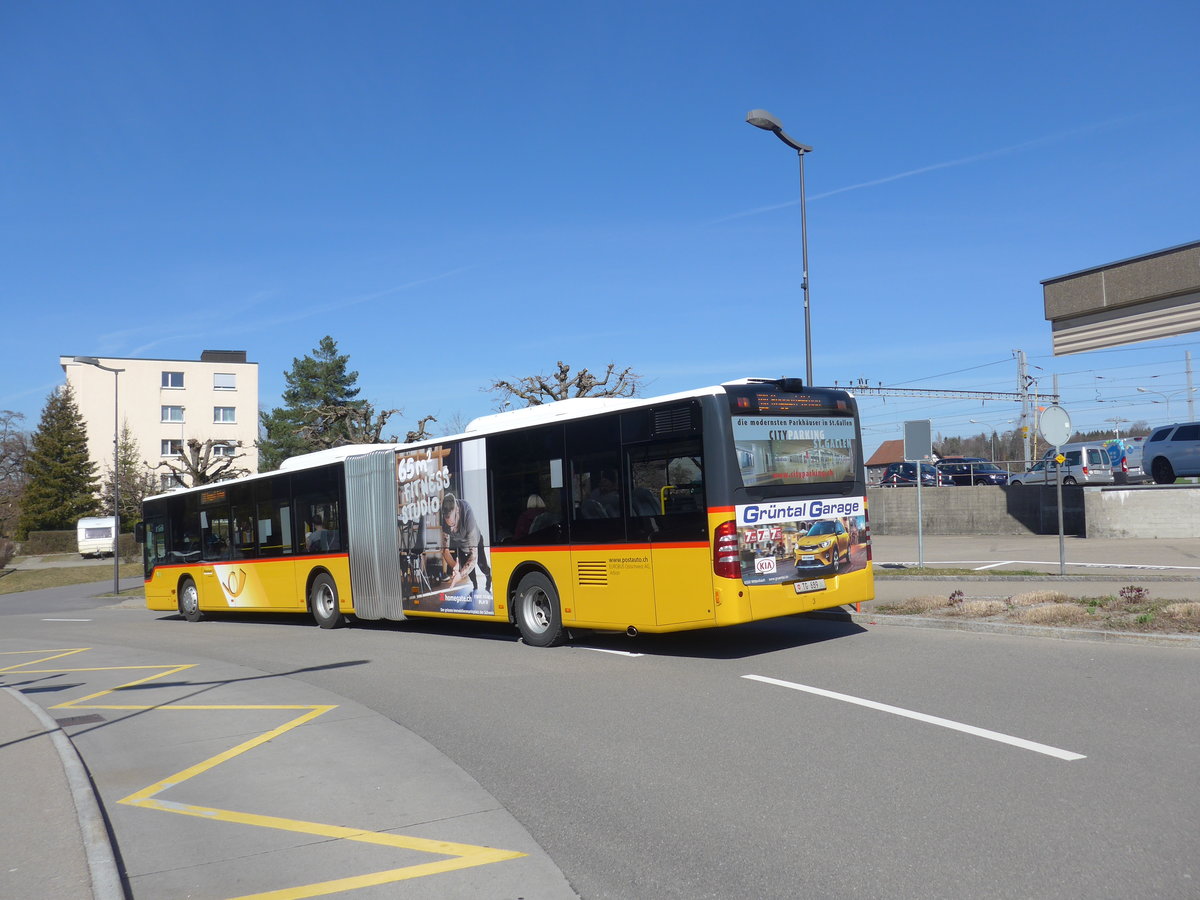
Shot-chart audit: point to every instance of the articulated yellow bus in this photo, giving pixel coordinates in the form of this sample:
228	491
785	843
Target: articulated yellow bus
713	507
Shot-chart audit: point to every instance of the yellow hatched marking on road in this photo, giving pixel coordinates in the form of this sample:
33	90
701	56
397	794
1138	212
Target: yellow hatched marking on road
461	856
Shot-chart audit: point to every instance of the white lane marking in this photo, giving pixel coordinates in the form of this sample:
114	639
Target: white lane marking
922	717
991	565
66	620
1039	562
614	652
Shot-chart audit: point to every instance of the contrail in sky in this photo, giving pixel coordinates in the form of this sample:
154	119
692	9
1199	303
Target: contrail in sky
949	164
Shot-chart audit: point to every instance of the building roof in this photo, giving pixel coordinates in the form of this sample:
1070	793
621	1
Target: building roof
888	452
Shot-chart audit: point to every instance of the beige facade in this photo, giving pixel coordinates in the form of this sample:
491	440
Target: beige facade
167	402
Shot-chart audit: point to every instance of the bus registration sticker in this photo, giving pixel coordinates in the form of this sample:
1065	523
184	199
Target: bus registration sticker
804	587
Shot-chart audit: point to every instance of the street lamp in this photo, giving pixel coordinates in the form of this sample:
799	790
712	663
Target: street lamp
1166	398
760	118
92	361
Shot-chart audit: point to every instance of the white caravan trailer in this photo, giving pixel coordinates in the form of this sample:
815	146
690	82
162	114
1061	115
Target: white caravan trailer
95	536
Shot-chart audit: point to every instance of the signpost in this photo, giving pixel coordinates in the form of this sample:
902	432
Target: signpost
918	446
1054	425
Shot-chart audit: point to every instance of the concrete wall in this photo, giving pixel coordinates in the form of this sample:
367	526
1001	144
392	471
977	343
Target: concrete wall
1169	510
1138	511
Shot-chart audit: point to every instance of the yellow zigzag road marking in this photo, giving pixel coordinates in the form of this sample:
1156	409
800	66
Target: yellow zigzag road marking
461	856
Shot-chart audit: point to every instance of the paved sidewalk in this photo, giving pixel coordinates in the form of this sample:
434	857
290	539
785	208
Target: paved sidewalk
54	837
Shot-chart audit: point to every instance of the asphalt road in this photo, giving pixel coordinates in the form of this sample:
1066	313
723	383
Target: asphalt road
931	763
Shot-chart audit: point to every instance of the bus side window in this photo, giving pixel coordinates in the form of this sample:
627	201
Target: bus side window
272	518
666	491
593	465
525	486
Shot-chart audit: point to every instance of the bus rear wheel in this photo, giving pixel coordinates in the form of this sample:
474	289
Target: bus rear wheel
323	601
189	601
538	612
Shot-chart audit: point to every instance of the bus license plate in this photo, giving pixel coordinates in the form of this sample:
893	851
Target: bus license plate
803	587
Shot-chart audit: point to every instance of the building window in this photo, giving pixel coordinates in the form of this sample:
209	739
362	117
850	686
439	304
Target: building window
223	449
224	414
172	447
172	379
224	381
172	413
169	482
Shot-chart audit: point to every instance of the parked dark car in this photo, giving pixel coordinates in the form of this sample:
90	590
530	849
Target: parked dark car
905	475
971	470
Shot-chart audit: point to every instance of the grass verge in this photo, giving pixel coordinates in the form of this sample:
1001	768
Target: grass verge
1131	609
15	581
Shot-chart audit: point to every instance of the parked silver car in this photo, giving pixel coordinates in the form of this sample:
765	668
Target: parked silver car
1172	451
1085	464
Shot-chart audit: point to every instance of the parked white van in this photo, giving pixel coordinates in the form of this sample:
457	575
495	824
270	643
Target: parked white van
95	535
1085	464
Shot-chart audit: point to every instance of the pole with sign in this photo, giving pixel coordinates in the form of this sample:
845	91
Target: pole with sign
918	446
1054	425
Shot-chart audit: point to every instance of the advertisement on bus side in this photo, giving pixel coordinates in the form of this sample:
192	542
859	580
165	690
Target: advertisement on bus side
790	541
441	520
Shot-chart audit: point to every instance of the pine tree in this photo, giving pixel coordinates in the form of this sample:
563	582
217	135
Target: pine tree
62	479
318	387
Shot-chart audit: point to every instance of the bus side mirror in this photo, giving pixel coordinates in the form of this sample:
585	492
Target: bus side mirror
139	532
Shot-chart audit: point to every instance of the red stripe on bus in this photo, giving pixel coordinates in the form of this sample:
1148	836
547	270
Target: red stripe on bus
561	548
262	560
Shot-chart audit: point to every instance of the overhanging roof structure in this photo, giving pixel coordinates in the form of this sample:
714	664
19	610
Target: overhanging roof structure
1138	299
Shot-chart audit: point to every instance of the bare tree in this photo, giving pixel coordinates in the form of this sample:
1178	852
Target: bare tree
14	450
199	465
339	425
456	424
421	432
561	385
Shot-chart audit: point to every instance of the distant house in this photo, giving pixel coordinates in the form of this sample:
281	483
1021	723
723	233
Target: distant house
888	453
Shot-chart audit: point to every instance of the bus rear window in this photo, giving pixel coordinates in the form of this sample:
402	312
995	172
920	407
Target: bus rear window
782	450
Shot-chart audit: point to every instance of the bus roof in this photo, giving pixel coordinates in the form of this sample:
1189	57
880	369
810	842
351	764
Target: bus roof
560	410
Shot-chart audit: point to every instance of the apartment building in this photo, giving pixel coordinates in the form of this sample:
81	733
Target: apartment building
167	402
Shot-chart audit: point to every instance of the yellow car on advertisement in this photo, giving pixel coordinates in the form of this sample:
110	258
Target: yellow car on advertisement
825	546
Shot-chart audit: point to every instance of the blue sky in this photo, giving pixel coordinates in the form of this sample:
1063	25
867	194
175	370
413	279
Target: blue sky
459	191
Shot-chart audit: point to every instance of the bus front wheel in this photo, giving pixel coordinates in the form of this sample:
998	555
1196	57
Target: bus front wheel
538	612
189	601
323	601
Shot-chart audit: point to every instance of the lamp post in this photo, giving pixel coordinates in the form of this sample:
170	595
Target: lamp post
92	361
760	118
1166	398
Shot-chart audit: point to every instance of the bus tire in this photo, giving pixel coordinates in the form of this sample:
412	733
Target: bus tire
323	602
538	612
189	601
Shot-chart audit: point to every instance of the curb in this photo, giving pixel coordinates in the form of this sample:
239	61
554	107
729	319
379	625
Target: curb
97	846
1044	631
896	575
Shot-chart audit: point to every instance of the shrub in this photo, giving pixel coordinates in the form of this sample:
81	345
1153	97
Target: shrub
7	550
1189	611
1134	594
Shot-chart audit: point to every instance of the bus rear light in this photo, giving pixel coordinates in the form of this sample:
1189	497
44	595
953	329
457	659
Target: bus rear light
726	561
